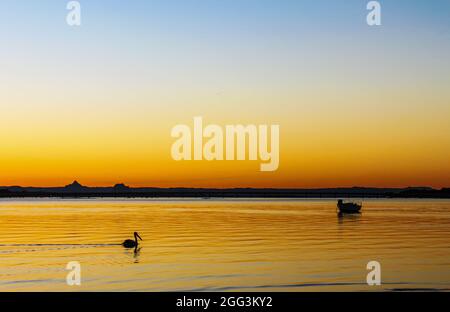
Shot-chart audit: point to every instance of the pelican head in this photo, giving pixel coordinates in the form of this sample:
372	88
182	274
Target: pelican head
136	236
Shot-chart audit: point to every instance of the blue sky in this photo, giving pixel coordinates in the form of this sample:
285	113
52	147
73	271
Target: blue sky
186	33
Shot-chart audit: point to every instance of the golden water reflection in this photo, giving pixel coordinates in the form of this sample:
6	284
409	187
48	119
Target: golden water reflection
258	245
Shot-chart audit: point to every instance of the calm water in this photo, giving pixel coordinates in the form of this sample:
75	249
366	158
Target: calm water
258	245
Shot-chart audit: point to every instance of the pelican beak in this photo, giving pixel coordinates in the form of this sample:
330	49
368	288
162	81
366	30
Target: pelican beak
139	236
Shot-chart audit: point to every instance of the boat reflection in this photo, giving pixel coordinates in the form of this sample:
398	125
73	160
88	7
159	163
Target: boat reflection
348	218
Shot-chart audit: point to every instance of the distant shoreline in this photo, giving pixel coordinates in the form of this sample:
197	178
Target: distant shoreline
76	190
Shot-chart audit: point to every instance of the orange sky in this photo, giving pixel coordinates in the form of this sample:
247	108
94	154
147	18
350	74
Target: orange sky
355	105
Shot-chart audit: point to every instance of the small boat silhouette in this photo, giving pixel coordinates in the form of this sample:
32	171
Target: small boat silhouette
129	243
348	207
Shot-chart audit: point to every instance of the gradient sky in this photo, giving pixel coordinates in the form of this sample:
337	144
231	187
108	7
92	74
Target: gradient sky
356	105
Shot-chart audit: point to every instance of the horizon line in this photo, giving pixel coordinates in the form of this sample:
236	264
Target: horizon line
123	185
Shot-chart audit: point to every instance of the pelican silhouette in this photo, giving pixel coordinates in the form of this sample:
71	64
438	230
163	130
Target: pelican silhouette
129	243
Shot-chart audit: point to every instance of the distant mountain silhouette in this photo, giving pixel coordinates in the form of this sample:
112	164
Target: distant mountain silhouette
75	186
121	187
121	190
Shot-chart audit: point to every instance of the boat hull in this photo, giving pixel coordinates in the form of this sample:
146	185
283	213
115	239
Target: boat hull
349	208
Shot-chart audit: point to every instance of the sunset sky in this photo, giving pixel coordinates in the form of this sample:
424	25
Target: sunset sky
356	105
